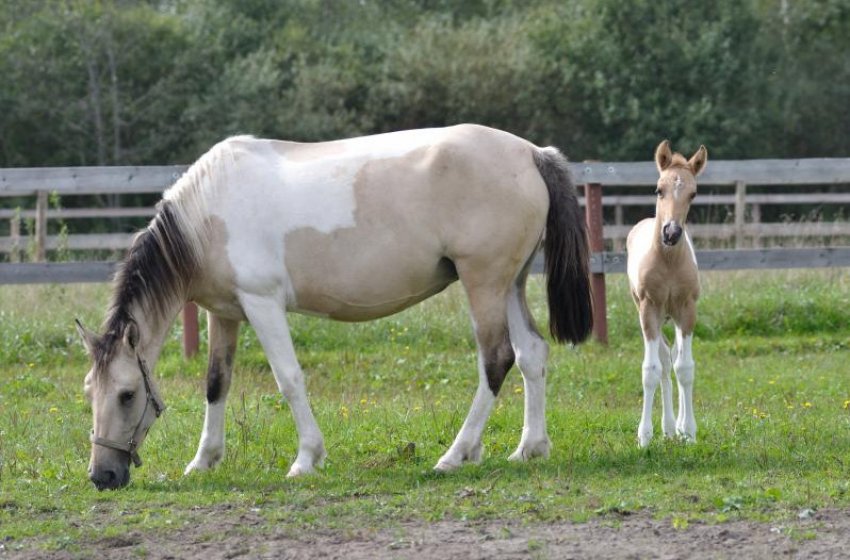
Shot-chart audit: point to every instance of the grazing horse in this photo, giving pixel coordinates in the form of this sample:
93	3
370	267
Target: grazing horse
350	230
664	283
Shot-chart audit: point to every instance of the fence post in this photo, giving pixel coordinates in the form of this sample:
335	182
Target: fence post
15	235
190	329
740	212
593	213
41	226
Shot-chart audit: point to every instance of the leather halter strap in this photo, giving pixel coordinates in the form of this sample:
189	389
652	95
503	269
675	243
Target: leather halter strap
151	399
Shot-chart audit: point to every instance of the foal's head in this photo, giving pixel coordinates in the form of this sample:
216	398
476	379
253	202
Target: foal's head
677	187
124	404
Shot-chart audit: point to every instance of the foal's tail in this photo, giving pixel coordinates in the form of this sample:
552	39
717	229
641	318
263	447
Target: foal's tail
566	252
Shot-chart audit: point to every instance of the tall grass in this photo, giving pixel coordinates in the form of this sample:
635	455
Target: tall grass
772	399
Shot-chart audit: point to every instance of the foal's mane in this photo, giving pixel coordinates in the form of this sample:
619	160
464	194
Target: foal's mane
678	160
164	257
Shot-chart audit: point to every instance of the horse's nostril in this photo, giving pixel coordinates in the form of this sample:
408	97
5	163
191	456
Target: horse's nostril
105	479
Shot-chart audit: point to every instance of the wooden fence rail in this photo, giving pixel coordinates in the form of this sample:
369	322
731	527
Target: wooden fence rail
805	173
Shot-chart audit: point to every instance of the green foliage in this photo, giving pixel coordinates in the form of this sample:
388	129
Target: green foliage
158	82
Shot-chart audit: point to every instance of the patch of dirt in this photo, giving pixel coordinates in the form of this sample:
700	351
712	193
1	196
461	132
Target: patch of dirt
825	534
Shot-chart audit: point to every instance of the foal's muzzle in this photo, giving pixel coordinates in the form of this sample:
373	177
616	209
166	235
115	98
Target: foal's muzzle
671	233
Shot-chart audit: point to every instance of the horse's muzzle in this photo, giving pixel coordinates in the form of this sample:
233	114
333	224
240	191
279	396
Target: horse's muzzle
671	233
110	478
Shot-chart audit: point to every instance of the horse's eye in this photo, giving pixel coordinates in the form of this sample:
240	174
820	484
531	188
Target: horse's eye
693	196
658	193
126	397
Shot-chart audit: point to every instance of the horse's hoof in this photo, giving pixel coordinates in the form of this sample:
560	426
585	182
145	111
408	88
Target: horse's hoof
686	438
445	467
529	451
298	470
201	464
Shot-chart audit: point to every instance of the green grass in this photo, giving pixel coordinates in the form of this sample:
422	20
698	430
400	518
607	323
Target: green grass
772	399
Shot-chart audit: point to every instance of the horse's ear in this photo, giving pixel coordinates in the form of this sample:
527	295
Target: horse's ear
89	338
131	335
698	161
663	155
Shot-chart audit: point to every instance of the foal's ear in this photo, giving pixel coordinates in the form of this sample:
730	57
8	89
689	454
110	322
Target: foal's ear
663	155
131	335
698	161
89	338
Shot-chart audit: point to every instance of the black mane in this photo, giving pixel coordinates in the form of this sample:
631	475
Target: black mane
156	270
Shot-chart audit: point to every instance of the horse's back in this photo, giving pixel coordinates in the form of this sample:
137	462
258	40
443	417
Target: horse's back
361	228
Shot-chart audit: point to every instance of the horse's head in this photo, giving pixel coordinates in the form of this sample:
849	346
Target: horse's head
124	404
677	187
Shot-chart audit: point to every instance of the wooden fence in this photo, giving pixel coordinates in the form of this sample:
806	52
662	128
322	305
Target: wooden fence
809	175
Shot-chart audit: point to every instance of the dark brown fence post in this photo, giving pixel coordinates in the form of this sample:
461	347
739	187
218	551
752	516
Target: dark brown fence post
593	212
190	329
41	226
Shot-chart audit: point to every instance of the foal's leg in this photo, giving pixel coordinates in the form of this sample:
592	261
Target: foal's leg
223	334
495	358
651	369
268	318
531	354
686	425
668	421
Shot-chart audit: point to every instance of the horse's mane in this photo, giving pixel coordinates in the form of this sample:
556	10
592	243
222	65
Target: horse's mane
164	257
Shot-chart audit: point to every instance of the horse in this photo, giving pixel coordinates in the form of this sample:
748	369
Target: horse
350	230
664	284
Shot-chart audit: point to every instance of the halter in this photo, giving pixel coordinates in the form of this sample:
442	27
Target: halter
151	399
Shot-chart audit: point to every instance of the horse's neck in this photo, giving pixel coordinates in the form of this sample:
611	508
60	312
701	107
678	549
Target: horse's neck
154	328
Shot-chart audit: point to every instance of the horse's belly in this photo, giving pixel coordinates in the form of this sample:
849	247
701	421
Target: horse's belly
348	306
350	279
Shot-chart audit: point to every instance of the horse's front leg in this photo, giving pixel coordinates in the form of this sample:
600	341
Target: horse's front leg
686	425
223	334
668	420
268	318
651	368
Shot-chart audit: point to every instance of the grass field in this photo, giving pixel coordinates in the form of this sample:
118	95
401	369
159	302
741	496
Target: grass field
772	400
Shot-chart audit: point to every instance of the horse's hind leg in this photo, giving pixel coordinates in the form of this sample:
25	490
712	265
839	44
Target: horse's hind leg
495	357
268	318
223	334
686	425
531	355
668	421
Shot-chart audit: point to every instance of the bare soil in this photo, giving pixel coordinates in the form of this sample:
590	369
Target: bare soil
216	535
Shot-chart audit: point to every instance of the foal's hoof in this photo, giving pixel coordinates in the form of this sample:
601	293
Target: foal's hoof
444	467
296	471
686	438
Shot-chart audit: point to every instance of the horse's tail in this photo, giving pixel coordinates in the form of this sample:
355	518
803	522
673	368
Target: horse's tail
566	252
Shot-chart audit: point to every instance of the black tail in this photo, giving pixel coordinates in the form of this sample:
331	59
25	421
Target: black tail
566	252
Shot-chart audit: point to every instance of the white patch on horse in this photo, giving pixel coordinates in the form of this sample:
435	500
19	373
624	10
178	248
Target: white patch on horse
677	186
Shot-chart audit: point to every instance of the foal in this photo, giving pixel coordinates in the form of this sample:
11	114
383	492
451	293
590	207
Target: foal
664	283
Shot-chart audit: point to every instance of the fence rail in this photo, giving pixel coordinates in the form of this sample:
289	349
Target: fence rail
804	173
600	263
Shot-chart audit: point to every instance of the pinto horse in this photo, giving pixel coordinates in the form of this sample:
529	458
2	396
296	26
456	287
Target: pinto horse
350	230
664	282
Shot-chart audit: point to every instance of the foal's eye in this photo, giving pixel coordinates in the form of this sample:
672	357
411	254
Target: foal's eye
126	397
